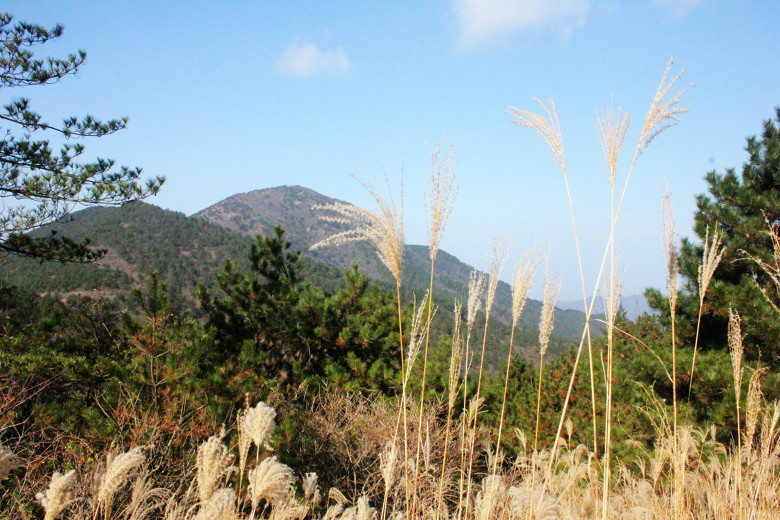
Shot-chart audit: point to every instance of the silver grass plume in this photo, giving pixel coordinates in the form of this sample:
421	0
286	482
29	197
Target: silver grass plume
497	261
311	493
670	247
548	127
213	464
552	287
522	280
612	130
735	350
291	510
442	190
384	228
476	290
611	292
59	494
8	462
121	470
244	441
489	500
753	407
220	506
259	423
663	112
388	465
713	252
456	357
270	480
420	327
361	511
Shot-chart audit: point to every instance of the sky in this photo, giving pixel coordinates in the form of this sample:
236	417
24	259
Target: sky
226	97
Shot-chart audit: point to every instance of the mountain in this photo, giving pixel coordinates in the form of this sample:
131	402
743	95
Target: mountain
292	207
633	304
140	238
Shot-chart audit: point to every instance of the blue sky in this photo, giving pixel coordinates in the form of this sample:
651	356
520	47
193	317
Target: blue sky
227	97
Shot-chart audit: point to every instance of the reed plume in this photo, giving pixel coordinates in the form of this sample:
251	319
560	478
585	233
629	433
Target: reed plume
271	481
221	505
522	280
663	112
711	257
59	495
549	128
258	424
384	228
440	196
612	129
552	287
121	469
438	200
213	464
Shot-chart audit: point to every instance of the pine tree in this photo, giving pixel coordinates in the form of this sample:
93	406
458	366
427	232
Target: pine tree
38	184
743	207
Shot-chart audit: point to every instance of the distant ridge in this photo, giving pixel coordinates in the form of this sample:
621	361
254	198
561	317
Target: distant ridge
291	206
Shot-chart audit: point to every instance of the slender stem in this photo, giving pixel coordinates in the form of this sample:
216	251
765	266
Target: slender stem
476	412
403	395
695	347
503	401
538	404
422	391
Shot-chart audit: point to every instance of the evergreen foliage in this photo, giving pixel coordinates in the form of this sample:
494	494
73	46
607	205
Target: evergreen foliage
742	206
47	184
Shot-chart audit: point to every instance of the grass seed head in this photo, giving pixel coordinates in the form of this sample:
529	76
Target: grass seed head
456	357
311	493
549	128
735	349
612	130
384	228
670	248
497	261
440	197
522	280
713	252
59	495
121	470
213	463
220	506
420	327
272	481
552	287
259	423
476	291
663	111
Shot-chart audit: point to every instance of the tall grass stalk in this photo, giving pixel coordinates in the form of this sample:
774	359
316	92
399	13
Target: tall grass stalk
550	130
552	286
477	282
498	258
384	228
452	396
711	256
439	199
522	280
663	114
670	248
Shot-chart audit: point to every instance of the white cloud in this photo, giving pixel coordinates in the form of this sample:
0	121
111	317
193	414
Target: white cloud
482	21
305	59
679	8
